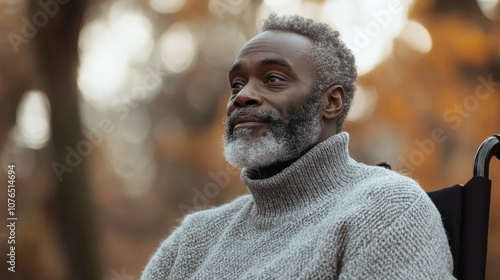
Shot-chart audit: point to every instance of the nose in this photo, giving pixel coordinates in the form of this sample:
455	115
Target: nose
248	96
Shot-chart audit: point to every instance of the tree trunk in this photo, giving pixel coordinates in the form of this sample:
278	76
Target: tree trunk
56	44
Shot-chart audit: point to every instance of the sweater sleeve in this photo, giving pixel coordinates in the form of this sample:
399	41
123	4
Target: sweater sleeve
412	246
163	260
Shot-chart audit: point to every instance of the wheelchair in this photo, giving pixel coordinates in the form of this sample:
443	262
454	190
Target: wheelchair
465	213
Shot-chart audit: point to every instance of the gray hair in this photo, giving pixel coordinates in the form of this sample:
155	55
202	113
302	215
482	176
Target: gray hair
333	61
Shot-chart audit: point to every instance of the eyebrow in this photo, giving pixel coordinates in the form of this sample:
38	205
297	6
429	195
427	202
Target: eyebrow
236	66
264	62
275	61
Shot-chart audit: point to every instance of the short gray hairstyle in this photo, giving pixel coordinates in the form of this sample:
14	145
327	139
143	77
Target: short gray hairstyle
333	61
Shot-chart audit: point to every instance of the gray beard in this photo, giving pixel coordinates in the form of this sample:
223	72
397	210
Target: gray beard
285	140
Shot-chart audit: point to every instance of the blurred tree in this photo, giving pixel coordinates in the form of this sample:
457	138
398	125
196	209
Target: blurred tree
56	63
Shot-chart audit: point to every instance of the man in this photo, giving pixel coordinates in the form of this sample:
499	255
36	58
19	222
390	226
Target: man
312	212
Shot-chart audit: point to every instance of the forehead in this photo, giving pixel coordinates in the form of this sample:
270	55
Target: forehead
291	47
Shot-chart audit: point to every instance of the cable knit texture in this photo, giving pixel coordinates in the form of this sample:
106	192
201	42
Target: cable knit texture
325	216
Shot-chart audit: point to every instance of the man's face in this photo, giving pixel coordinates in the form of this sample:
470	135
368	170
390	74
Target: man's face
273	112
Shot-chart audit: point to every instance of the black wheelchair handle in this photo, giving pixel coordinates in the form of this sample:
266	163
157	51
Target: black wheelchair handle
489	148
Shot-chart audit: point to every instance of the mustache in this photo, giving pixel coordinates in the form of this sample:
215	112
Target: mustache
266	116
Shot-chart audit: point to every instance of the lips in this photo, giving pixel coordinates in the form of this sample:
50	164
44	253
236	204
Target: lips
247	121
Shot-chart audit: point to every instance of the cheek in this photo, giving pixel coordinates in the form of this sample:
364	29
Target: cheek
292	106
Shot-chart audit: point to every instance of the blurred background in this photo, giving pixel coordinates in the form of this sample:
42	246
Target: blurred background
111	112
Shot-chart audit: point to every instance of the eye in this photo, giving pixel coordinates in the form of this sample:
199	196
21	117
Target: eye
273	79
236	86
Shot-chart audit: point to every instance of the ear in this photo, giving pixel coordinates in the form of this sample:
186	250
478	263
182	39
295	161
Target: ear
333	102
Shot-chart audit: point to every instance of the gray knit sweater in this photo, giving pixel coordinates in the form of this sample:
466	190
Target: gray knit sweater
325	216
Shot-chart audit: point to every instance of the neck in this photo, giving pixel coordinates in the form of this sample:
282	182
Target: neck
323	169
269	171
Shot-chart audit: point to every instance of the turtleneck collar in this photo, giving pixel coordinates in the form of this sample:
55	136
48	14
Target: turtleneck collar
323	170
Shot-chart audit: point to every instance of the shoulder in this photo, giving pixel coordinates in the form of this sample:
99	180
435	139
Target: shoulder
382	202
390	225
197	230
380	193
201	226
387	184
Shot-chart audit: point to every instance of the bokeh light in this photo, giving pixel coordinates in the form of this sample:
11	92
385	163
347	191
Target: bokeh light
416	36
178	48
489	8
33	120
363	104
368	27
166	7
133	30
108	47
103	66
